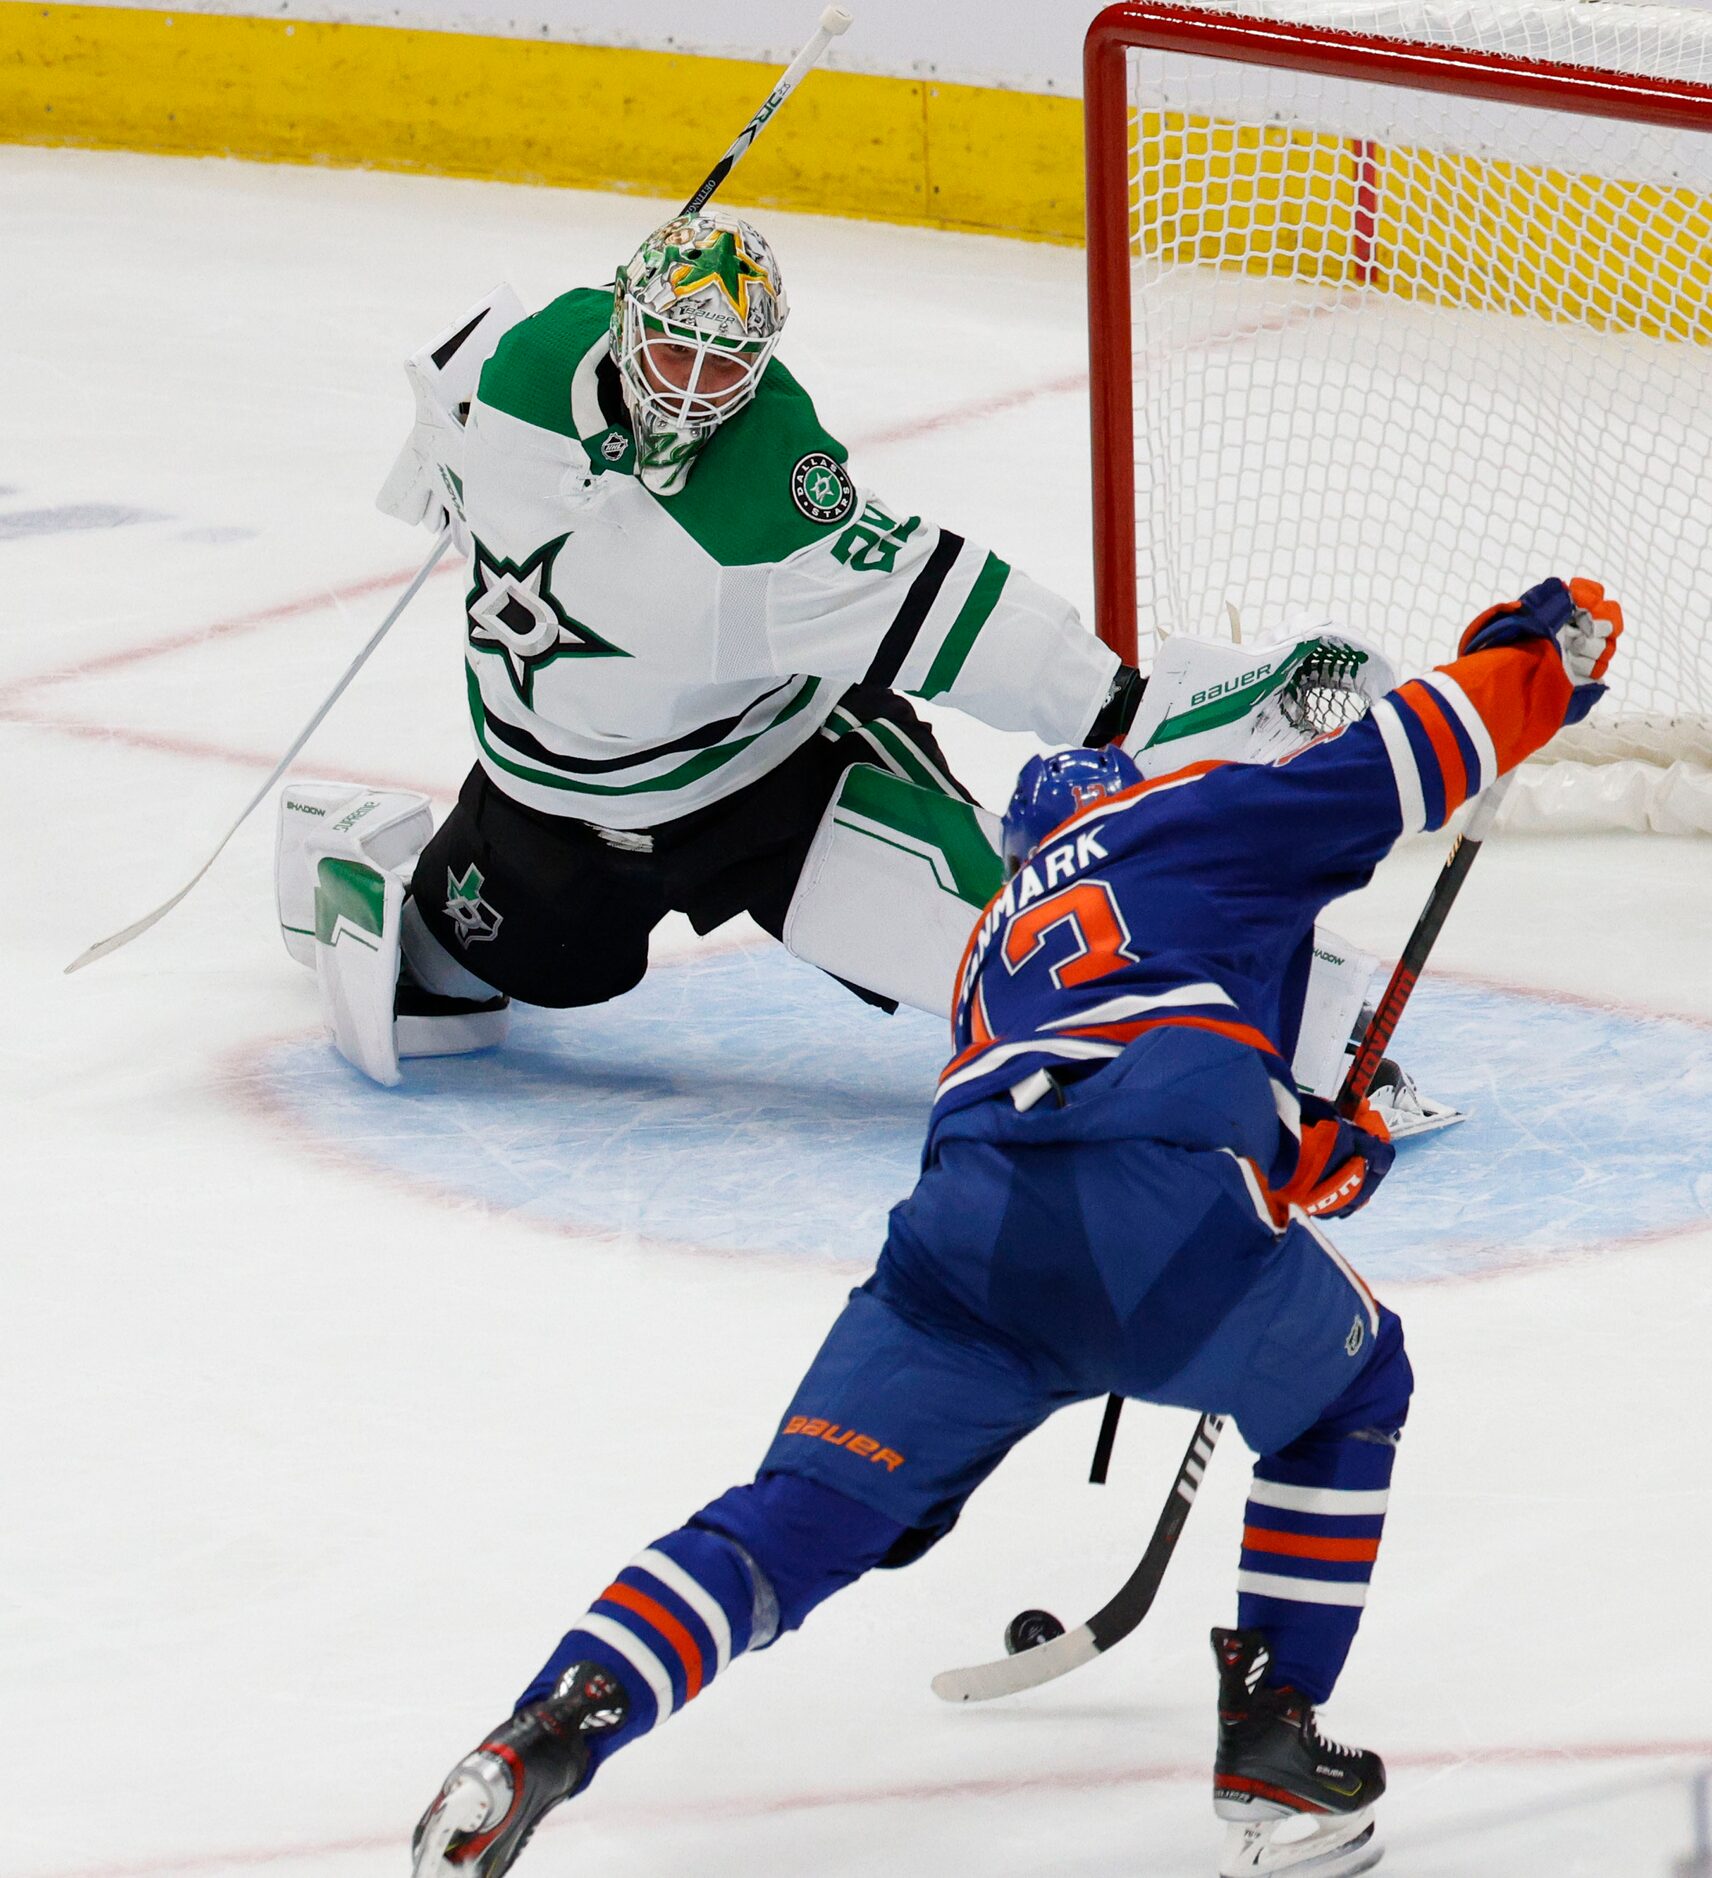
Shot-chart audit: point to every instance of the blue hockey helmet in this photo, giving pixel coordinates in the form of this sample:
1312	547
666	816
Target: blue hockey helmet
1050	789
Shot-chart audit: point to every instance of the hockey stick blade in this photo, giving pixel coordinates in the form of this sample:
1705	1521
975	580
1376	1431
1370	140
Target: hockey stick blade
1114	1620
103	947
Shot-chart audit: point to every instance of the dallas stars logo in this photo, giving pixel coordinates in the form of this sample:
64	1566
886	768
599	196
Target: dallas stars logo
724	263
471	916
513	613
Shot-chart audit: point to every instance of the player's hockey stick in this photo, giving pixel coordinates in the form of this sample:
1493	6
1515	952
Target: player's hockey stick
101	949
832	22
1114	1621
1421	941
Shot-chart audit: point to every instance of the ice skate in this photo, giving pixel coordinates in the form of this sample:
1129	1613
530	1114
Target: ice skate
494	1798
1404	1109
1297	1802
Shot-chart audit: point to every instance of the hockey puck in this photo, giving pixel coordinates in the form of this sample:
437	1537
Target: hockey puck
1028	1629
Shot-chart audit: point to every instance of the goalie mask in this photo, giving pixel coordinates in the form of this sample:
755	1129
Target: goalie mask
696	315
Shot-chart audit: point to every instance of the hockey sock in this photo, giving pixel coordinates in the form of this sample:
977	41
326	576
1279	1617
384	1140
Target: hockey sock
1316	1511
742	1572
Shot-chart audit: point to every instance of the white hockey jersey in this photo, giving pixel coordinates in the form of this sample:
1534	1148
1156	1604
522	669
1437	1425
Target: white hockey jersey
633	657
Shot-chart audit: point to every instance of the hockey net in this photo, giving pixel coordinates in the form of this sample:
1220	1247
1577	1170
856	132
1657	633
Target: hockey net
1397	307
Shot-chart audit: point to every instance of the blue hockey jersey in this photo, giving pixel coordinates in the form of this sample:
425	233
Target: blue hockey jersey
1190	900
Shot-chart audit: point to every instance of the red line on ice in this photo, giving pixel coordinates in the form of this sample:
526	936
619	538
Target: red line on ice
319	601
996	1787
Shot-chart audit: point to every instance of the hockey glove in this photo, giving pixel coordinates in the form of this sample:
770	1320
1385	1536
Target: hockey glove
1114	717
425	486
1578	620
1342	1160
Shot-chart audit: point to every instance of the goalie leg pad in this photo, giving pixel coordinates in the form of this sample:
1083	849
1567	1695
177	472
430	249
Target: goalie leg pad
1340	981
894	880
387	827
373	1021
358	911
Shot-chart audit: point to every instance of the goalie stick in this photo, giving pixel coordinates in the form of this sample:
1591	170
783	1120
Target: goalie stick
138	927
833	21
1123	1612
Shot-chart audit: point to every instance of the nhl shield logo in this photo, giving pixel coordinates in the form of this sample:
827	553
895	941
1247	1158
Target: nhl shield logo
472	918
1356	1338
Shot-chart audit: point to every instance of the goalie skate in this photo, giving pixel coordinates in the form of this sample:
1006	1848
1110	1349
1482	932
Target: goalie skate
1404	1109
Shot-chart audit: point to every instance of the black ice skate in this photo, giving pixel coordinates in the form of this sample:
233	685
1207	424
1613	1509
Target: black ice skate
494	1798
1298	1802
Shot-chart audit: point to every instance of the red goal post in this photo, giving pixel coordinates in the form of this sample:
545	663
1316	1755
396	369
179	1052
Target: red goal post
1326	202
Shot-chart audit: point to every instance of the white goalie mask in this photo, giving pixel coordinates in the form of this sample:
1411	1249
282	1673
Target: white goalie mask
696	315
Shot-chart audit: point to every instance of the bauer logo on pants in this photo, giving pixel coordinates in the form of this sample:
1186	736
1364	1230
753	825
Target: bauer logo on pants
469	913
821	488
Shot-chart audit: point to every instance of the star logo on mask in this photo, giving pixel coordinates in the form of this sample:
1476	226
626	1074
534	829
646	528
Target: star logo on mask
726	264
512	613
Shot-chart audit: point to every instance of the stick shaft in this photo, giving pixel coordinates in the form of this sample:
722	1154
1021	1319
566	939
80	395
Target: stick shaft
1421	942
1107	1439
103	947
832	22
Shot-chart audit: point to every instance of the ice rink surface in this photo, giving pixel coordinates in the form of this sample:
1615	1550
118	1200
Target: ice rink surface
327	1409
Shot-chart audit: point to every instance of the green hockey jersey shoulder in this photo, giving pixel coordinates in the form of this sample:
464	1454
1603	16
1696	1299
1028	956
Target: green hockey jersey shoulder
529	376
769	482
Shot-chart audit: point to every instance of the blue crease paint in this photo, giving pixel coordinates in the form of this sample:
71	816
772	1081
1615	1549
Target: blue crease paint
745	1103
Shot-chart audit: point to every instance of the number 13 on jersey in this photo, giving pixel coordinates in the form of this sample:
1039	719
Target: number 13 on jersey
1081	924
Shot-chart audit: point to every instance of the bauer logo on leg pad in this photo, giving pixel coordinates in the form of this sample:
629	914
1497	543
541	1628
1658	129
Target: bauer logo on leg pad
471	916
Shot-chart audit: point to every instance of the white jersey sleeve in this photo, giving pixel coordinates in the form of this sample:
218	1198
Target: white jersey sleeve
898	602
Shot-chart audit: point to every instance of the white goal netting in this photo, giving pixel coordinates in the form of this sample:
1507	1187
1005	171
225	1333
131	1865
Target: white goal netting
1399	352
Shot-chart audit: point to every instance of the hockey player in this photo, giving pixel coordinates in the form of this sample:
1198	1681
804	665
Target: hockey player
1118	1194
685	621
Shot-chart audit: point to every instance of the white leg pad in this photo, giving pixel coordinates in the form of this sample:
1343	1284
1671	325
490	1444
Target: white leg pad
358	910
387	827
1339	983
892	886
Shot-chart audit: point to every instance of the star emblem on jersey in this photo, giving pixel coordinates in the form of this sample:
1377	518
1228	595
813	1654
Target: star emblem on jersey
726	264
471	916
821	488
513	613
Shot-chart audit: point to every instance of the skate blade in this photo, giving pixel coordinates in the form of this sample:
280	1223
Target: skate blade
1305	1845
461	1810
1433	1117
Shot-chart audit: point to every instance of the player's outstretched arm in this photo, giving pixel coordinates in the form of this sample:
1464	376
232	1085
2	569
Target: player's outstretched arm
1314	826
